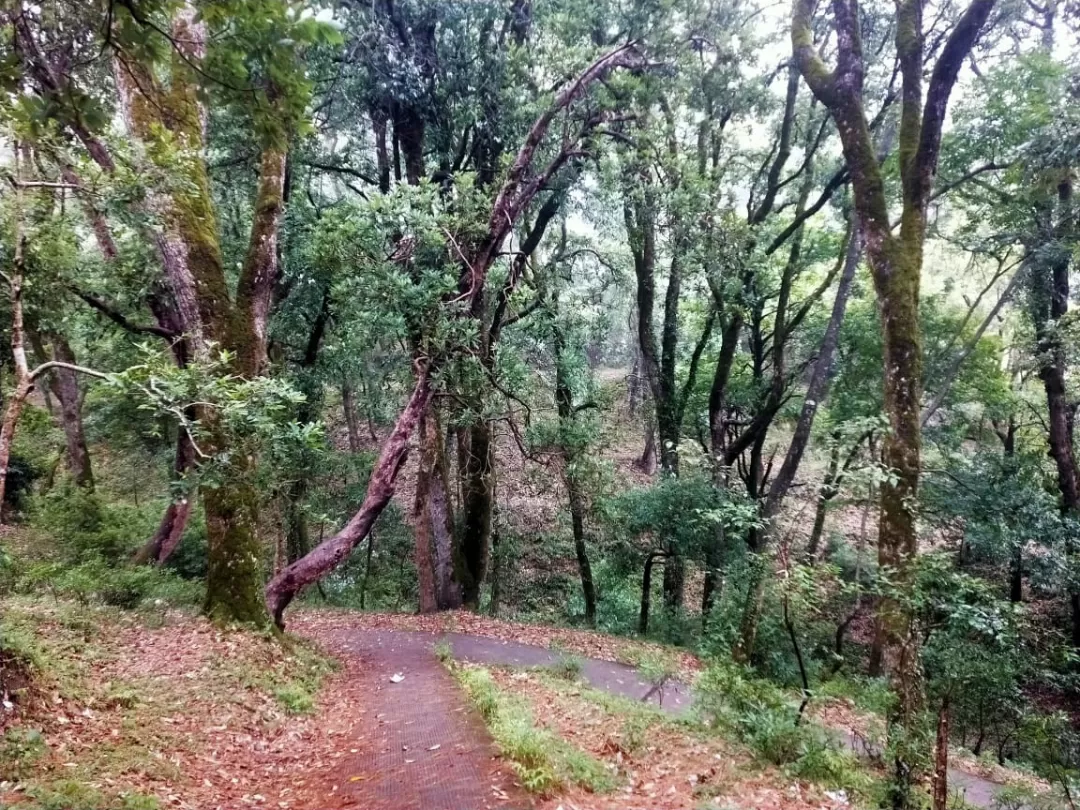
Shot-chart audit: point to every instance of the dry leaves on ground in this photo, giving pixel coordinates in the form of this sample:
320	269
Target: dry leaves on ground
663	766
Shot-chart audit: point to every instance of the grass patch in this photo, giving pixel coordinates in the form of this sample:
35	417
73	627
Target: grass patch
544	761
568	667
72	795
443	651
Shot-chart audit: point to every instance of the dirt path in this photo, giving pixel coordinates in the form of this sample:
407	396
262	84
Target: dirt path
425	748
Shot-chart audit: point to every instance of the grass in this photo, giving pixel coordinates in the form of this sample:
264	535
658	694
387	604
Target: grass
70	794
544	762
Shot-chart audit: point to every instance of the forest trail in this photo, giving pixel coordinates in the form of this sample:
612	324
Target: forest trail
424	746
395	767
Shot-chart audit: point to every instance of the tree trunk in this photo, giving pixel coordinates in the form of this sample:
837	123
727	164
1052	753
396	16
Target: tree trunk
64	384
478	501
674	582
170	530
284	587
496	575
577	519
941	759
816	393
646	590
422	523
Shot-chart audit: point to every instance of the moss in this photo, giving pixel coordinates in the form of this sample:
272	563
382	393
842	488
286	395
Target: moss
234	578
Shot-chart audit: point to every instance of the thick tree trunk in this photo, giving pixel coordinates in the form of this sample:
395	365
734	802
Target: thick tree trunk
478	501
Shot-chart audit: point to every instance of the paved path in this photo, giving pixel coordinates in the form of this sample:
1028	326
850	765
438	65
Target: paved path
426	749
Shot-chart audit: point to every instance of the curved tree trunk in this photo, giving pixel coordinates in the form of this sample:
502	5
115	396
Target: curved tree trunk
171	528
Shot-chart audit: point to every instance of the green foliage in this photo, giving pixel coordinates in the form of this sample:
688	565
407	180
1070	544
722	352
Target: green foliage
85	524
20	749
761	715
120	586
544	762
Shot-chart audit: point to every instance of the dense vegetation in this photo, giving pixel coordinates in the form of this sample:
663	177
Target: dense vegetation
745	328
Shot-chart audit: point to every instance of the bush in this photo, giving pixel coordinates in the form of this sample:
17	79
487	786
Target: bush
82	524
122	586
760	715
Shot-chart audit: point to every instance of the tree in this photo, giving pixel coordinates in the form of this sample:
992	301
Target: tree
520	185
896	264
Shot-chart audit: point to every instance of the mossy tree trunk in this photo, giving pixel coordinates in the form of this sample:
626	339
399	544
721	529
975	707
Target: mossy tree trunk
896	266
169	121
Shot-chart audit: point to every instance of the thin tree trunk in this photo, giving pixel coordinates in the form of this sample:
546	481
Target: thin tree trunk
646	590
171	528
674	582
64	384
816	392
577	519
352	419
941	759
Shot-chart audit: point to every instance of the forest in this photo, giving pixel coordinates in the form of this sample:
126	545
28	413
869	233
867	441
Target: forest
724	346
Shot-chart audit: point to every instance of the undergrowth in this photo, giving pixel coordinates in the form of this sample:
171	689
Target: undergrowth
544	762
762	716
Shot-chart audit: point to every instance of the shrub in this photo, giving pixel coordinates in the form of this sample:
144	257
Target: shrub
760	715
82	524
120	586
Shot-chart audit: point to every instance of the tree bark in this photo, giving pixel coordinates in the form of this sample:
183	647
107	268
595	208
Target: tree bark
64	384
896	266
478	501
941	759
646	589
